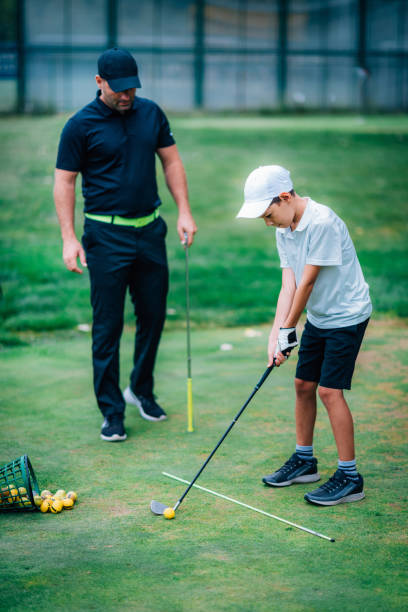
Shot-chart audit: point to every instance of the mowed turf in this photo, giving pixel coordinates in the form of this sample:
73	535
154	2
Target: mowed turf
111	553
355	165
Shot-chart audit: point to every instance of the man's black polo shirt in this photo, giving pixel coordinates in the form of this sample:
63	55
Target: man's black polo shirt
115	154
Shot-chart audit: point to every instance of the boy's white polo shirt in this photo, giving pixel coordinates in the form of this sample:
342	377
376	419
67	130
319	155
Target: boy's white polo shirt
340	296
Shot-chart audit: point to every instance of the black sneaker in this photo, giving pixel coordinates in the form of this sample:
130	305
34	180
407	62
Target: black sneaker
112	429
294	470
148	407
339	489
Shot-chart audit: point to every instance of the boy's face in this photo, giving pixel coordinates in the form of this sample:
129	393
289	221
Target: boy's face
280	214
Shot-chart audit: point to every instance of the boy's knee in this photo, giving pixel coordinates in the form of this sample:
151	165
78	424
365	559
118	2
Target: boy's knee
305	387
328	395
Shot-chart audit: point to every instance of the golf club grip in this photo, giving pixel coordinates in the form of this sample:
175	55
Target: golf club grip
211	455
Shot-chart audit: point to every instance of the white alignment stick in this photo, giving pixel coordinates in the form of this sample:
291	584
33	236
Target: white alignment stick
235	501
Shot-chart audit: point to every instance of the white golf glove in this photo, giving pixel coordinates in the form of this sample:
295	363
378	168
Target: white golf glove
287	340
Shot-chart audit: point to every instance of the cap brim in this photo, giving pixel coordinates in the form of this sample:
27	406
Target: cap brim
125	83
253	210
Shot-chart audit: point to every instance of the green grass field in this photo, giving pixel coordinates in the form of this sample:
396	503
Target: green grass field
110	553
357	166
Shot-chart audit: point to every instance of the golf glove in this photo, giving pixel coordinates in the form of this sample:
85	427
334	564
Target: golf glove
287	340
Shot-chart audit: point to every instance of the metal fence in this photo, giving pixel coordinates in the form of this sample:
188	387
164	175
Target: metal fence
212	54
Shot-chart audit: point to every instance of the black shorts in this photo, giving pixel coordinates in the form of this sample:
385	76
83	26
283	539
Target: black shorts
328	356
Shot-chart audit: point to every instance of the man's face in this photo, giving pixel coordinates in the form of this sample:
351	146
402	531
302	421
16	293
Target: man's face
120	101
280	214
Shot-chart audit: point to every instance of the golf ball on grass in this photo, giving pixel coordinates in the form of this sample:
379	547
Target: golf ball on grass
168	513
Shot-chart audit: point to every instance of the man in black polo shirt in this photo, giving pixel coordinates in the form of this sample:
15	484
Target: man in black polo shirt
112	142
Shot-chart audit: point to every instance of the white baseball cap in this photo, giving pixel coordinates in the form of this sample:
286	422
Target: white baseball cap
261	186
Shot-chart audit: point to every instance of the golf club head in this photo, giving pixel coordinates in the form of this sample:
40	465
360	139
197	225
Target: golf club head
157	508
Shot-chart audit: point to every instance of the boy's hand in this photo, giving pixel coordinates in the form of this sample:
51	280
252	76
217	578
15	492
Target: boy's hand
287	340
279	348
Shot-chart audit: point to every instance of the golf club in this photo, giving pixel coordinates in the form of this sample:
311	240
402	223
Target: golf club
190	427
158	507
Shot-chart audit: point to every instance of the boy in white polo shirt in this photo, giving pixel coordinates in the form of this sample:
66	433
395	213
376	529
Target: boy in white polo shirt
320	271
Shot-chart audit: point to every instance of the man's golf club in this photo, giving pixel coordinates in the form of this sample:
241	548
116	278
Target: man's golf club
190	427
158	507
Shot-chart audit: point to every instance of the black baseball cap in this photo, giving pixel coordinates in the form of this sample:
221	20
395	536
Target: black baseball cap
118	67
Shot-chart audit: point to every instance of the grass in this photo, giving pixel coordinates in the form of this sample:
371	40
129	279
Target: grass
355	165
110	552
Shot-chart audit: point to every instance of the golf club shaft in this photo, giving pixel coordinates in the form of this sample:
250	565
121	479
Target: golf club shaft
235	501
190	427
256	388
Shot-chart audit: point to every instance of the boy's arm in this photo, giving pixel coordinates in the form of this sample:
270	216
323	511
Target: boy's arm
283	308
302	295
291	315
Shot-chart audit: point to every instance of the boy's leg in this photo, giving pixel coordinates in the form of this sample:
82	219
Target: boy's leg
301	467
305	411
341	421
342	347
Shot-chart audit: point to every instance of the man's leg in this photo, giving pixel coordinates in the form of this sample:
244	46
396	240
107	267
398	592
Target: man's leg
108	278
148	290
148	286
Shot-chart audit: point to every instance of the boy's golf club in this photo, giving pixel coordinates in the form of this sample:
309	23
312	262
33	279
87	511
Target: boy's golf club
190	427
158	507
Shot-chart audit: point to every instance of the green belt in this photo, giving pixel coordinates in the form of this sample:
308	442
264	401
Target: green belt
116	220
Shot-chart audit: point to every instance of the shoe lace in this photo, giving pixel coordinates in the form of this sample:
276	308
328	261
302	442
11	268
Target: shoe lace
333	484
290	464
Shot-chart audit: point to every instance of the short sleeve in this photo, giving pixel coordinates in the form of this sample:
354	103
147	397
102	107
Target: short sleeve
165	136
71	150
324	248
284	263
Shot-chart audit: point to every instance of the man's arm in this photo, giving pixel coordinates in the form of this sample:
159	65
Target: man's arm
177	183
64	199
283	307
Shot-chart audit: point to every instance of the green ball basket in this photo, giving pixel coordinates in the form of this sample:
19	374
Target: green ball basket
18	485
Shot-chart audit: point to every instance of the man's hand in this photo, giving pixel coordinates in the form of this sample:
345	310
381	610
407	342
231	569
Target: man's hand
186	225
72	249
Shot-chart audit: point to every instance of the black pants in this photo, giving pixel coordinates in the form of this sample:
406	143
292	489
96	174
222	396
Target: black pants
119	257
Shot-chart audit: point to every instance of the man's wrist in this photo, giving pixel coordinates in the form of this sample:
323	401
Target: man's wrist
66	238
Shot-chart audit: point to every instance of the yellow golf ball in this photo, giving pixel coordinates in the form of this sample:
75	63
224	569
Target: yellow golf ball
168	513
38	500
68	503
72	495
45	506
56	506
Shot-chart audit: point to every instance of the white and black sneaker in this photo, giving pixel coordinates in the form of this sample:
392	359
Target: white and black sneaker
295	470
148	407
113	429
